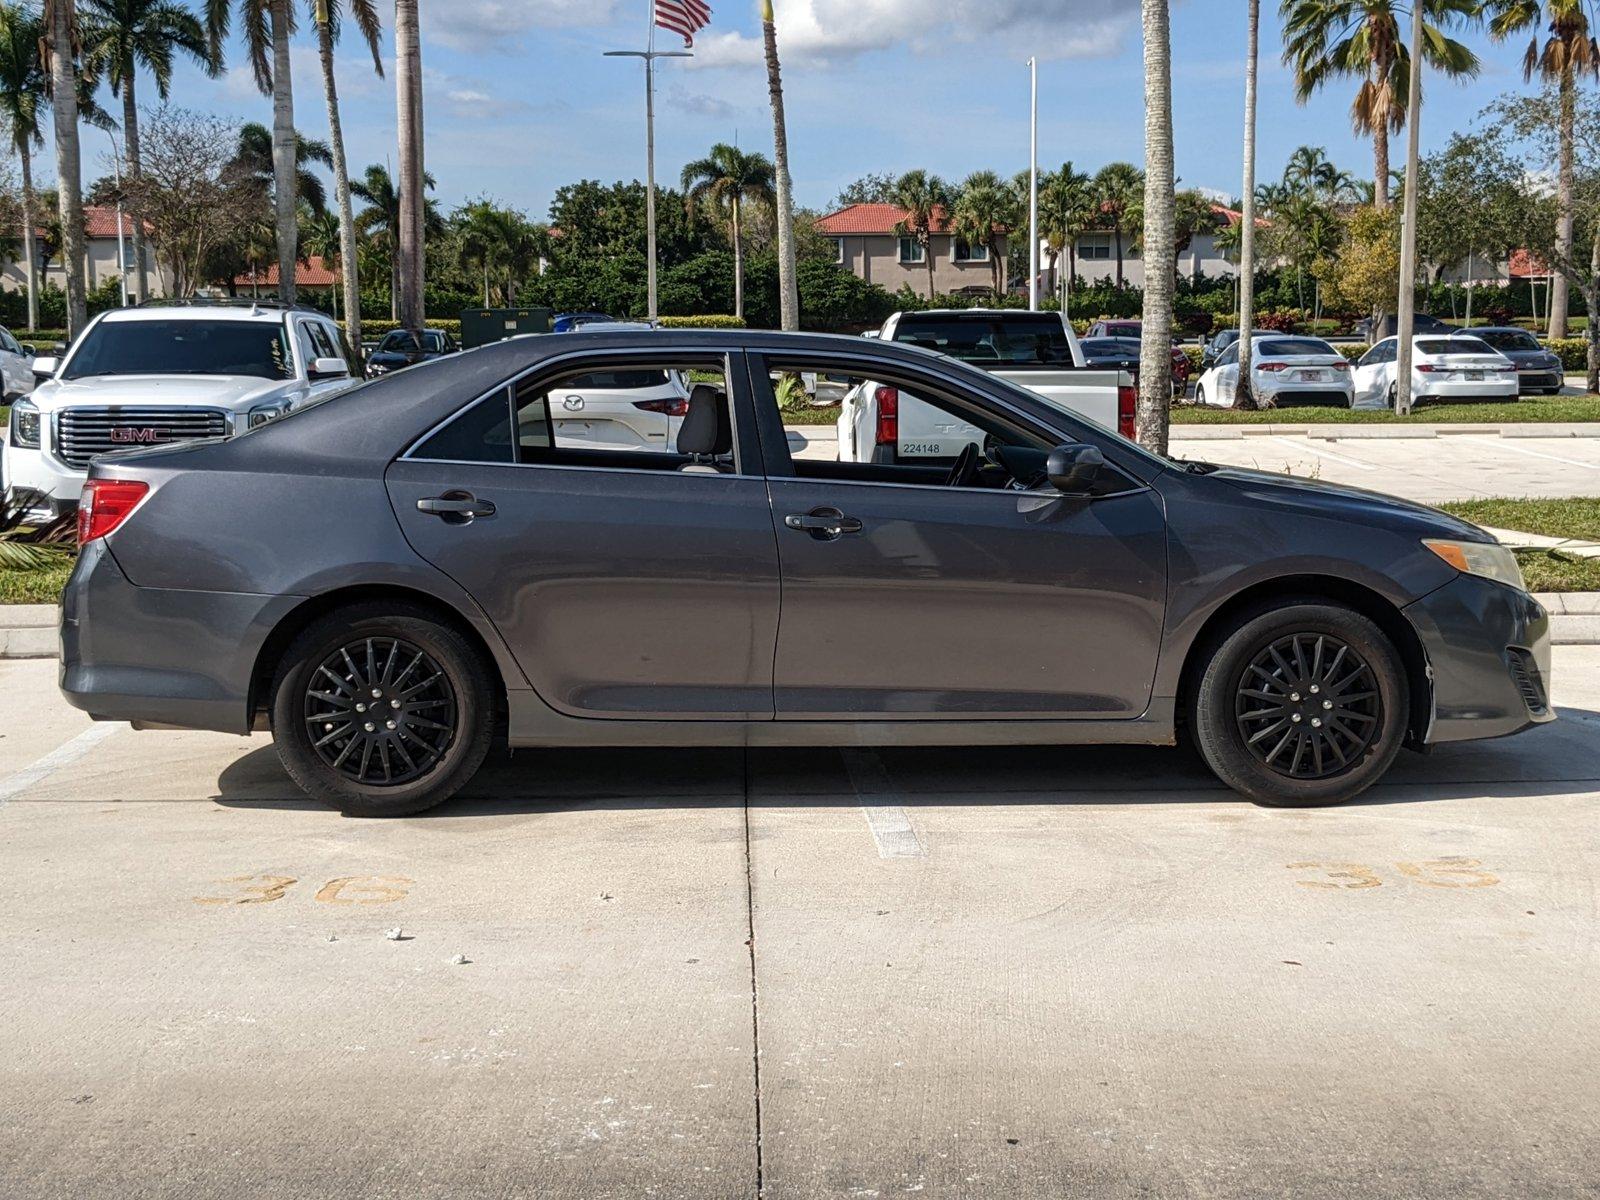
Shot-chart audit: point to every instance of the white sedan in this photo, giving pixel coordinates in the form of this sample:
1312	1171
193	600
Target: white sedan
1283	371
1460	367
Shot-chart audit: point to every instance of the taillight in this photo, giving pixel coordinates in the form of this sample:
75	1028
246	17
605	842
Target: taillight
888	399
1127	408
1426	368
1272	366
1340	366
677	407
105	504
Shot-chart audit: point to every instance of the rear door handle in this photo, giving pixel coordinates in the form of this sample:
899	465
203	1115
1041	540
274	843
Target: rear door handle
824	524
456	507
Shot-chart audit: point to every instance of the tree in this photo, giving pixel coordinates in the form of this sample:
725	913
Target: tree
327	15
61	45
1365	274
1160	222
986	212
410	268
1474	204
1569	49
1119	194
267	26
1360	39
23	88
1066	211
728	178
321	237
875	188
788	282
255	160
119	37
926	200
381	220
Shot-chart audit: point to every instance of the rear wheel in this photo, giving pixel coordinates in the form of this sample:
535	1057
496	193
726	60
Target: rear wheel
382	710
1302	705
1199	394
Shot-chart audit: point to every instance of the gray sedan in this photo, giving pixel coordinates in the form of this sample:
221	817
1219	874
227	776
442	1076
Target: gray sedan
397	579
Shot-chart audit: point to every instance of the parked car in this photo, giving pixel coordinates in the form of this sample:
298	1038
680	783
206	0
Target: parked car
1215	345
640	408
571	322
400	349
1123	354
16	367
1539	370
1116	329
1459	367
880	421
1420	323
154	375
483	580
1284	372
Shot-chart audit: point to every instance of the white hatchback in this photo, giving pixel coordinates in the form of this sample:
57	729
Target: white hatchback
1460	367
1283	371
639	409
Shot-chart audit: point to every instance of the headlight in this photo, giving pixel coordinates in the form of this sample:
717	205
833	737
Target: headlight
25	425
375	369
1488	559
267	412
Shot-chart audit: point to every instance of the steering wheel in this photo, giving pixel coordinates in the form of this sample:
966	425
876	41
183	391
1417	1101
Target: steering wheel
1024	467
964	472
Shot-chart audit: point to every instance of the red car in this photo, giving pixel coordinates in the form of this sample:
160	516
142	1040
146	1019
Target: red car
1134	329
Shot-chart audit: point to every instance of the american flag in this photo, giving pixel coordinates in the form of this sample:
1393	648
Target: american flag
685	17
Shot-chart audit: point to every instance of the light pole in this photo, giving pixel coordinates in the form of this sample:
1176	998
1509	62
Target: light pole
1033	189
650	57
122	252
1408	224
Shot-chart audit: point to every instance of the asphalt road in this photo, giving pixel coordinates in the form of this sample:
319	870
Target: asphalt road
981	973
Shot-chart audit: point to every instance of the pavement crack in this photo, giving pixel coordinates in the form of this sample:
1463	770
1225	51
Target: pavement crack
755	998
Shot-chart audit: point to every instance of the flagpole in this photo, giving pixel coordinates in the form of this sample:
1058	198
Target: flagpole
650	54
1033	189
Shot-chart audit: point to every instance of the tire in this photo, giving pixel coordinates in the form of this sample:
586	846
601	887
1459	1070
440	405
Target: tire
1199	394
1364	685
420	669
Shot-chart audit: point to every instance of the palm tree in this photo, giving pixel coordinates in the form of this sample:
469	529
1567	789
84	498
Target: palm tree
326	13
255	162
23	88
413	202
321	236
1360	39
729	178
60	43
1066	211
1160	227
381	220
268	25
120	36
1118	191
925	200
480	235
985	212
1243	394
788	275
1569	49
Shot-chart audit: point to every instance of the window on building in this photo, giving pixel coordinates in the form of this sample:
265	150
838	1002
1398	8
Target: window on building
967	252
1095	246
838	250
911	250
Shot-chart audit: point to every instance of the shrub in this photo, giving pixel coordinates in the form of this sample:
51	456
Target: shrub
1574	352
703	321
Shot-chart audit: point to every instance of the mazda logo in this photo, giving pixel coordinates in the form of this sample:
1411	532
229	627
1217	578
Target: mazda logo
573	403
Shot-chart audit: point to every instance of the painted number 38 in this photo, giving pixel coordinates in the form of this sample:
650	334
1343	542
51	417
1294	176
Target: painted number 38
1452	872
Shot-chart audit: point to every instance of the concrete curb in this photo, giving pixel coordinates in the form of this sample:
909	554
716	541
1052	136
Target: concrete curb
1334	432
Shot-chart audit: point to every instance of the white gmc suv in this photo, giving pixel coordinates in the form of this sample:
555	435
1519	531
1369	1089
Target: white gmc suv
160	374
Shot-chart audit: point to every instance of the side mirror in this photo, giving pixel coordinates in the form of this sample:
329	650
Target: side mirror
29	349
45	368
1073	468
327	368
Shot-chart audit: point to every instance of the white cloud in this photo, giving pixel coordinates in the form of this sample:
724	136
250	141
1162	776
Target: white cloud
820	31
699	104
496	26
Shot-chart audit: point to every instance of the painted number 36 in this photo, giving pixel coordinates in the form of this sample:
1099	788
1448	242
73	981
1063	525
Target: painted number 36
347	889
1433	872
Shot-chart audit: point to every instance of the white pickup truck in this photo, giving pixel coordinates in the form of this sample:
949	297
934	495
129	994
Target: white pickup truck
1039	351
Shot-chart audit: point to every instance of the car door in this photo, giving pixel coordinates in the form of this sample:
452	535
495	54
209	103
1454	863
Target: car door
627	582
1228	374
1373	374
905	598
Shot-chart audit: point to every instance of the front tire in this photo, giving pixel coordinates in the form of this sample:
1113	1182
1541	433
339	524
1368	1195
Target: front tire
1199	394
1302	705
382	710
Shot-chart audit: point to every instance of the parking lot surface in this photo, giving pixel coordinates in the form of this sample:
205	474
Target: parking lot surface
962	973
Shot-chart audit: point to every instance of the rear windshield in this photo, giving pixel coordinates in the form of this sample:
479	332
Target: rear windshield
1293	347
618	381
1100	346
1454	345
1018	338
1510	339
257	348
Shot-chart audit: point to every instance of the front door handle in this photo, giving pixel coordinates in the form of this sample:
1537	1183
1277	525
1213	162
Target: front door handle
824	524
456	508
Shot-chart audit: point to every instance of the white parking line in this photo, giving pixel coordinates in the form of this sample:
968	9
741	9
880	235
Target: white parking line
62	756
1329	454
891	828
1509	444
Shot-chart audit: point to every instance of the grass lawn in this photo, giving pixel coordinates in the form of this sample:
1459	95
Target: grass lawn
1533	408
1577	518
819	416
33	587
1546	572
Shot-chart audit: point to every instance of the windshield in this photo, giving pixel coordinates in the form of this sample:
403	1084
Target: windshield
1118	347
1293	347
252	348
991	338
1455	345
1510	339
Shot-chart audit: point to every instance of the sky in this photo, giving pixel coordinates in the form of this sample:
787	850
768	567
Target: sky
519	99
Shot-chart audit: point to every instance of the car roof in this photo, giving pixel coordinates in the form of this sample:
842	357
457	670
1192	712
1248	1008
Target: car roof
201	312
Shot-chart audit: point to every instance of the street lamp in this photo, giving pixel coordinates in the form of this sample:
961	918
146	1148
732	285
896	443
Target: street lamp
650	57
122	252
1033	188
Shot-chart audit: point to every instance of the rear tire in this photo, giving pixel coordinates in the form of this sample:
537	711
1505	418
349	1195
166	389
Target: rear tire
382	710
1301	705
1199	394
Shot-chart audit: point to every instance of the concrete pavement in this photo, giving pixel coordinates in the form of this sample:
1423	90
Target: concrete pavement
973	973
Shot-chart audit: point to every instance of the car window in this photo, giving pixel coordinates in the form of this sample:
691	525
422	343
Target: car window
9	343
1452	345
323	341
1510	339
1230	356
1381	353
183	347
396	340
1294	347
1021	338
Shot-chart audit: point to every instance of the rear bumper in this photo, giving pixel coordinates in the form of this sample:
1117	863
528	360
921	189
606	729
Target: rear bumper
1488	650
1500	385
160	656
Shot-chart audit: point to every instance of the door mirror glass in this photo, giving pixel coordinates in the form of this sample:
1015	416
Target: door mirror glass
29	349
45	368
1073	468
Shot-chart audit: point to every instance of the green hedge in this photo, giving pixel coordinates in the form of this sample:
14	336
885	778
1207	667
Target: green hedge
1574	352
704	321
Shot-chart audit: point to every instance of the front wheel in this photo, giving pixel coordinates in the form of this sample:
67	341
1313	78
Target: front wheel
1199	394
382	710
1302	705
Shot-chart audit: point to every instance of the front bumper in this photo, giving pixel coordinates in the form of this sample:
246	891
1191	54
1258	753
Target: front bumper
1488	651
30	470
160	656
1532	379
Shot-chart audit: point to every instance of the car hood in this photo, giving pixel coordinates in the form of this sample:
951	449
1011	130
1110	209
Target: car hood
1520	356
1347	504
236	393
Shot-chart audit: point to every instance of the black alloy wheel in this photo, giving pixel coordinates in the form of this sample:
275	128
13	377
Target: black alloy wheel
380	711
1308	706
